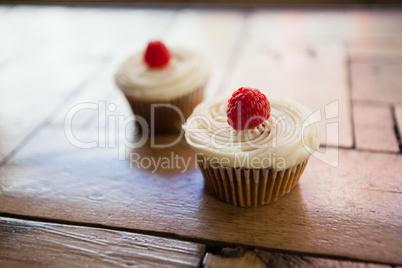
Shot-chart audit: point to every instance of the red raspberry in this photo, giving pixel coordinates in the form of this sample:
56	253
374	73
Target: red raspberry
247	108
156	54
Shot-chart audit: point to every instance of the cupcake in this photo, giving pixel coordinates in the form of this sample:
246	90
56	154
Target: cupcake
251	150
163	85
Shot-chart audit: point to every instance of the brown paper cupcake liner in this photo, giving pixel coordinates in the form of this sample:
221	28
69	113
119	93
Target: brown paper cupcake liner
166	119
248	187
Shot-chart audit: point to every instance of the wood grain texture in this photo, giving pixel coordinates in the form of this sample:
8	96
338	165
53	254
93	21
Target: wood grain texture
376	81
350	209
30	97
36	244
87	105
302	72
238	257
214	33
374	128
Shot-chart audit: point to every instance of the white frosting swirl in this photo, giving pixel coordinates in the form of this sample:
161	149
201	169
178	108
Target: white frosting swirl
185	73
286	139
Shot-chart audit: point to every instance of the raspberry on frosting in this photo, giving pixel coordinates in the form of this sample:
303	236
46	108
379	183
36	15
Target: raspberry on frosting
156	55
247	108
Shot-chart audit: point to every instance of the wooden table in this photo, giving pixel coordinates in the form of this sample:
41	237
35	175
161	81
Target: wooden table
62	205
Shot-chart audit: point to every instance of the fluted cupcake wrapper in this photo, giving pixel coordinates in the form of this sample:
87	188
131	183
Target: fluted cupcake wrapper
248	187
167	119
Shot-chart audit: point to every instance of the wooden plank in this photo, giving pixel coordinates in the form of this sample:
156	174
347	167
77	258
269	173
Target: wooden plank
95	92
31	92
374	128
213	32
314	75
376	81
37	244
352	210
239	257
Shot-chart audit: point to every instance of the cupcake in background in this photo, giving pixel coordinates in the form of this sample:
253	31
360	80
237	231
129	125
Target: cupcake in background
251	150
163	85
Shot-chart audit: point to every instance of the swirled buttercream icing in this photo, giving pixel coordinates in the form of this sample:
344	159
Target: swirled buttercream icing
286	139
185	73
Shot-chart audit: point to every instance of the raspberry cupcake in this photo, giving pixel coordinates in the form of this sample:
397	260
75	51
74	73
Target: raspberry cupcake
251	150
163	85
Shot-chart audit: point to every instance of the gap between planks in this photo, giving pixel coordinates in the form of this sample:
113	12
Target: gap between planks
47	244
210	245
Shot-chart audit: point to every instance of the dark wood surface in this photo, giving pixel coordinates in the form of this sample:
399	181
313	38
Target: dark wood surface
38	244
91	207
